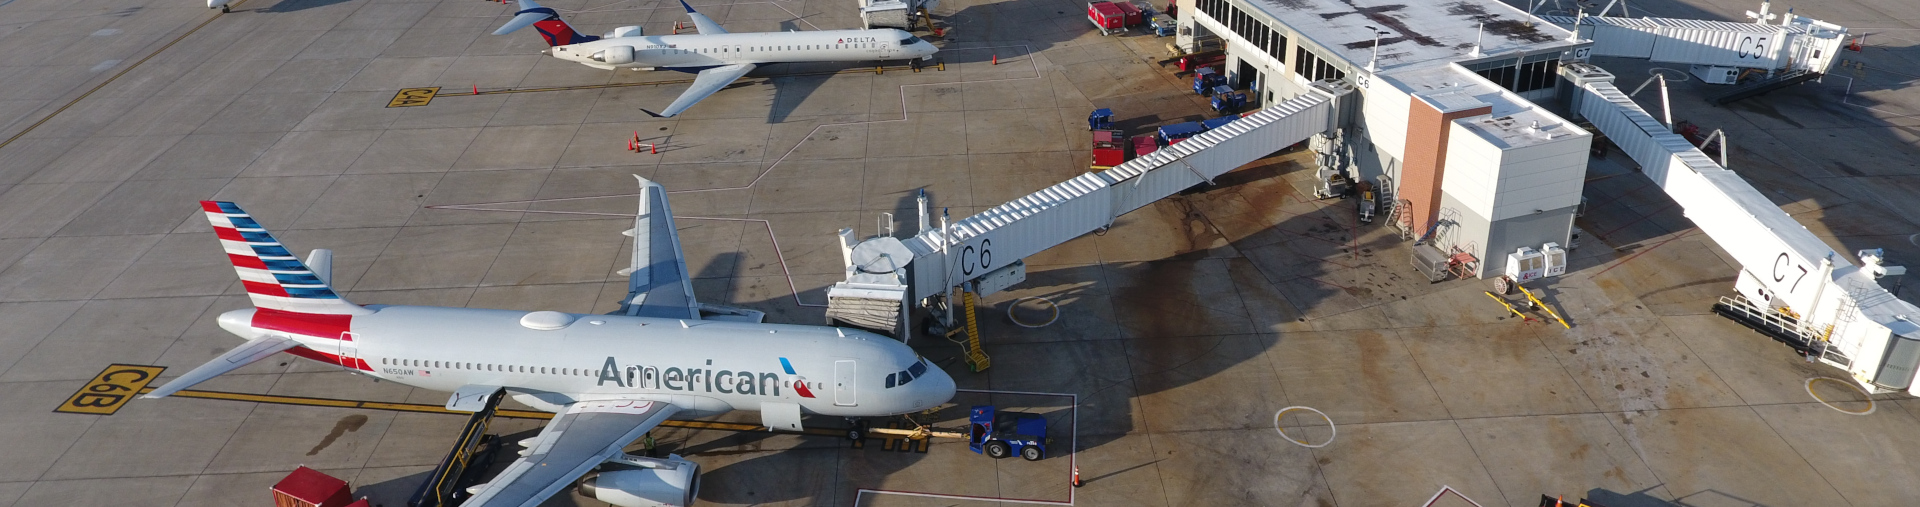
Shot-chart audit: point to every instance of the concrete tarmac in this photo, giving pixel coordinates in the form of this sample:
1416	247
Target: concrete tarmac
1183	329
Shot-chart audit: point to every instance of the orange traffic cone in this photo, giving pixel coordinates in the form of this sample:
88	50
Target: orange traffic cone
1076	476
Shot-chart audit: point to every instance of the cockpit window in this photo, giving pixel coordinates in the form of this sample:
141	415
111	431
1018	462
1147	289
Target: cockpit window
909	41
918	369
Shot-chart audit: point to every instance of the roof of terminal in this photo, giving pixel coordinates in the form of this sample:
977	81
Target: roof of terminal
1513	122
1418	31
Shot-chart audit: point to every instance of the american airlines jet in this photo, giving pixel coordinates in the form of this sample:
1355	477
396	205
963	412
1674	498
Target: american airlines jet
609	378
719	57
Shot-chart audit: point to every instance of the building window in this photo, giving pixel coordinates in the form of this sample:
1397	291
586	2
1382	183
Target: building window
1309	66
1522	75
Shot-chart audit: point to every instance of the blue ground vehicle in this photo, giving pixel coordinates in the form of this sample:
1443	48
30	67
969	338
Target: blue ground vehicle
1100	119
1001	434
1226	100
1205	79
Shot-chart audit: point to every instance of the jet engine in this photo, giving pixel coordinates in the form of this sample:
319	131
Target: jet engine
631	481
625	31
614	55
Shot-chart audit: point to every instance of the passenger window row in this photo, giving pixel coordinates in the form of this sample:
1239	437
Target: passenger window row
508	368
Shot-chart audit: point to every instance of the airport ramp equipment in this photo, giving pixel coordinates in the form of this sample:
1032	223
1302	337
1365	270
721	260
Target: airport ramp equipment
1838	310
1797	43
886	276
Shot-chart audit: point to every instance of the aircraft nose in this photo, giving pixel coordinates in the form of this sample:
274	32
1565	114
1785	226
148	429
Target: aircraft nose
937	387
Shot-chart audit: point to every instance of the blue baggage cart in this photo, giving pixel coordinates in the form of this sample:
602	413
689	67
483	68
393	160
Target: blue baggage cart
1180	132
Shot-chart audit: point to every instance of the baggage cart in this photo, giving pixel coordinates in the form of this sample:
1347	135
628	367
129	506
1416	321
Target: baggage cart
1162	25
1133	15
1145	144
1173	134
1107	17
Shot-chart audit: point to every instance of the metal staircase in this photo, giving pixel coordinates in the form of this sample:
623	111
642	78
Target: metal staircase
1777	325
1765	85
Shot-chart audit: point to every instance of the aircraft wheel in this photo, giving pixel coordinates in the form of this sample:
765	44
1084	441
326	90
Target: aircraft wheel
997	449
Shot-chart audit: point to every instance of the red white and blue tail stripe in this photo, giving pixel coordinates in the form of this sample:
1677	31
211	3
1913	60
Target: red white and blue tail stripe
274	278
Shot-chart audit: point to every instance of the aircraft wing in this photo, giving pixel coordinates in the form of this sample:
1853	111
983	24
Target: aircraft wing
701	22
657	283
704	84
579	438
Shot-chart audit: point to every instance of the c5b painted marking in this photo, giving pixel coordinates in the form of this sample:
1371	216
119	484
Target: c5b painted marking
111	389
410	97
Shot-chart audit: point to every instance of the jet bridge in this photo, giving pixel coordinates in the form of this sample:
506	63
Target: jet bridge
1715	50
1791	285
886	277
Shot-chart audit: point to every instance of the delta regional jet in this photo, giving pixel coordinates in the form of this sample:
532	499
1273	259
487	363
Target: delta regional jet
718	57
609	378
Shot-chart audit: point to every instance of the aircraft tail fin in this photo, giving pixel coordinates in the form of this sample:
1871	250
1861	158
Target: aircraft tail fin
274	278
544	19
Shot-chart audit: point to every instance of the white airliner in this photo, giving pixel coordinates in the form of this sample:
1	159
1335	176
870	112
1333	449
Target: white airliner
719	57
610	378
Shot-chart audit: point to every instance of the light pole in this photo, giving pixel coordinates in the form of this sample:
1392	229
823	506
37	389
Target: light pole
1371	62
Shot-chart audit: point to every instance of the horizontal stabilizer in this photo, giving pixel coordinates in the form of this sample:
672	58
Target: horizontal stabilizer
245	354
525	19
702	23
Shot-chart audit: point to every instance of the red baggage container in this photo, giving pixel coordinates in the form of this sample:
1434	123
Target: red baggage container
1144	145
1109	154
1106	136
1106	16
1133	16
306	487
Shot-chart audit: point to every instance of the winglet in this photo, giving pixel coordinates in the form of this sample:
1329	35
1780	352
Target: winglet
683	3
651	113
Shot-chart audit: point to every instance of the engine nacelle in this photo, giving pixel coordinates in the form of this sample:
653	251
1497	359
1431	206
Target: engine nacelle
614	55
630	481
625	31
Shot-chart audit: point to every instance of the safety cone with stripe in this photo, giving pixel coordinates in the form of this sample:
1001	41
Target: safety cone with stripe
1076	476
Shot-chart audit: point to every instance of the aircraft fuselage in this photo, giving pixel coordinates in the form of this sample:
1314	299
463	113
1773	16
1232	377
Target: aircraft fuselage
701	51
705	367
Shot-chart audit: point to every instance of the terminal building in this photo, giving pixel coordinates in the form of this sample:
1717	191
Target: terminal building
1449	126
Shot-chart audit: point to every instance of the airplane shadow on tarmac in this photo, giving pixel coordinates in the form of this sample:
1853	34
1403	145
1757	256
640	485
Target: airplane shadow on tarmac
296	5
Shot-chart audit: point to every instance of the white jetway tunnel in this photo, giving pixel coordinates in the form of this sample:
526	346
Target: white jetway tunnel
887	276
1797	43
1837	311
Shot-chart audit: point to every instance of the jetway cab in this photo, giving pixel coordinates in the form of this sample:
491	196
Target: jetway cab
632	481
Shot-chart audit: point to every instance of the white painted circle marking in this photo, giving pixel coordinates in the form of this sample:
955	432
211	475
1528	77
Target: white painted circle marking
1670	73
1871	406
1055	307
1333	432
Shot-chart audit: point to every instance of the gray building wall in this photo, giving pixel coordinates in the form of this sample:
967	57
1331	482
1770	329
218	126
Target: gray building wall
1492	241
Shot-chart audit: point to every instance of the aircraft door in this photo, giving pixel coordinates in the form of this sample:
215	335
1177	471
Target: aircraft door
349	350
844	373
738	54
